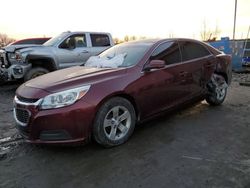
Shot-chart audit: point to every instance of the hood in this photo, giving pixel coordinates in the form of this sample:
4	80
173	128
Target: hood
38	48
74	77
13	48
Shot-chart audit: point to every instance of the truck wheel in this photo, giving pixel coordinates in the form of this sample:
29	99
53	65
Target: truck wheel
114	123
35	72
217	90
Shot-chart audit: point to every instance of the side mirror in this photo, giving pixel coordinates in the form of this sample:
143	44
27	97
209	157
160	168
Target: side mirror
154	64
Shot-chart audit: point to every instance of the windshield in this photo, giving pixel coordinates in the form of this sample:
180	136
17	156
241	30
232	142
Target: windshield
53	41
133	52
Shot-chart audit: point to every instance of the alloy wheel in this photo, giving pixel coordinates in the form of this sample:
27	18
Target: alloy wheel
117	123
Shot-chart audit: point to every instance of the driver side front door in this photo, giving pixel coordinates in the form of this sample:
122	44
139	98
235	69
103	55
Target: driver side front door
72	51
161	89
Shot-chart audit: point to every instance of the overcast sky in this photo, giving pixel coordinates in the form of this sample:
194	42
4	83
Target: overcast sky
150	18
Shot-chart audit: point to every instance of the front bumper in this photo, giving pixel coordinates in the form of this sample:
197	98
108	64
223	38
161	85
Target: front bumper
13	72
67	125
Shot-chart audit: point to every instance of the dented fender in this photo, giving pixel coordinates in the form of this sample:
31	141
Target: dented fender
224	66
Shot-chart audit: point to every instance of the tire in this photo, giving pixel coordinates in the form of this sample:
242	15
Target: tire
35	72
2	82
114	122
217	93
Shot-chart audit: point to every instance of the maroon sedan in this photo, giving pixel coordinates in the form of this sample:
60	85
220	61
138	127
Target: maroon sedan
106	102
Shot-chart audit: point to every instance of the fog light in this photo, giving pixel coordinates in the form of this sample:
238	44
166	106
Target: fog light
18	70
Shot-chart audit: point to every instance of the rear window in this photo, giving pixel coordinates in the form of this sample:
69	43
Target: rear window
191	50
100	40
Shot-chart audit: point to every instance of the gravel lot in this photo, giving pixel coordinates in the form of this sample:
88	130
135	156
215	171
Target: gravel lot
200	146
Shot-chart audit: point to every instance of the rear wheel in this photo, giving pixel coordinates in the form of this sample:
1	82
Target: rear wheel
217	90
115	122
35	72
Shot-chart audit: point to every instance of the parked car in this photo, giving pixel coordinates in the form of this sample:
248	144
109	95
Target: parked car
24	43
66	50
38	41
71	105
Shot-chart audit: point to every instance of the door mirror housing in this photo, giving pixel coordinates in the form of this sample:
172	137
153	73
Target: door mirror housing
154	64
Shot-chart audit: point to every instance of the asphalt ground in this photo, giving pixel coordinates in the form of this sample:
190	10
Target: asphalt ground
199	146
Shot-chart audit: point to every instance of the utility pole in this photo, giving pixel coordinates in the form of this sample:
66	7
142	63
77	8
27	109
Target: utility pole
235	13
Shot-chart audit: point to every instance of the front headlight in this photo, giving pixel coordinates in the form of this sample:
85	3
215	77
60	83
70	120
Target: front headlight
64	98
18	56
12	56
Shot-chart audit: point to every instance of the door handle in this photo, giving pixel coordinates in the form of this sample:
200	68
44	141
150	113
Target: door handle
183	74
85	51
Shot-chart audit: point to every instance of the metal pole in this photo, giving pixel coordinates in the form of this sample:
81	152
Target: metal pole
235	12
245	45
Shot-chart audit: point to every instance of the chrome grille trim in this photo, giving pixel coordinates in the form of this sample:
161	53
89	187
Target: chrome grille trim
2	57
37	103
22	99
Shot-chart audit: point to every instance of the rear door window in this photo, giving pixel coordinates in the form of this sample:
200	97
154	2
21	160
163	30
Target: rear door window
100	40
191	50
168	52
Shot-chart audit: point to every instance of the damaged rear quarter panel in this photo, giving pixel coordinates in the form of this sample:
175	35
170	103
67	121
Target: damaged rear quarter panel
224	66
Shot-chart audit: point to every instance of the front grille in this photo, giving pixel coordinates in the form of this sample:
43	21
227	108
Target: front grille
2	60
22	115
26	100
2	57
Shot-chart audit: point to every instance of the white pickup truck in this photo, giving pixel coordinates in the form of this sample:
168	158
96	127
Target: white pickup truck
65	50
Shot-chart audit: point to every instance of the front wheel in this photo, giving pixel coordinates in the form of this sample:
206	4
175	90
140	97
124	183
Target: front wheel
115	122
35	72
217	90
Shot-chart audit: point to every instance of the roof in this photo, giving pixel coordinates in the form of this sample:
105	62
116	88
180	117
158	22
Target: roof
159	40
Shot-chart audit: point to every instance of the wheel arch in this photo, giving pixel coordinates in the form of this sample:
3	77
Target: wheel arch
224	67
125	96
222	74
45	62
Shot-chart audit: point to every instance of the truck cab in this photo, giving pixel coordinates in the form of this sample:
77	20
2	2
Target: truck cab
65	50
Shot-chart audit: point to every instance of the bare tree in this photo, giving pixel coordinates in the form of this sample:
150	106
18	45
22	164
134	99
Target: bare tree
171	35
126	38
207	34
132	38
216	32
117	40
142	37
5	40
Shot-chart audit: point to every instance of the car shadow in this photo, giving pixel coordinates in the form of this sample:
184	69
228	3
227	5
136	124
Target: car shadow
161	129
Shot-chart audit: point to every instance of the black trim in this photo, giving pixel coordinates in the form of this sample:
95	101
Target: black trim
54	135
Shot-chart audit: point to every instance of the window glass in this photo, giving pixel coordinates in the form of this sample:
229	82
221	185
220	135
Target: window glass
55	40
133	53
192	50
80	41
168	52
75	41
99	40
